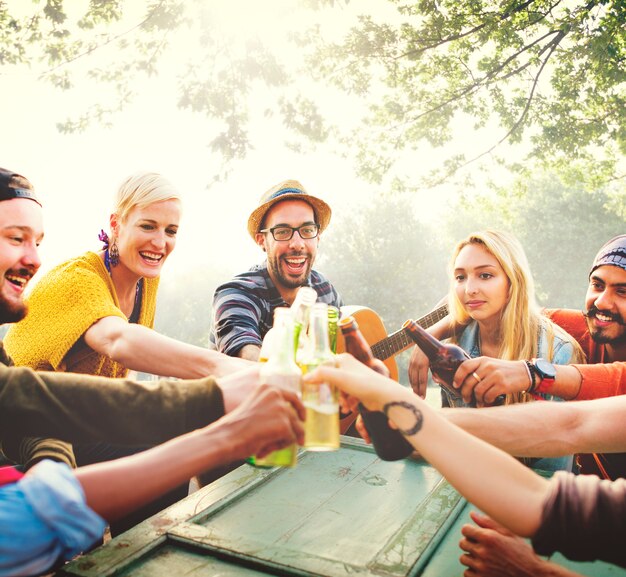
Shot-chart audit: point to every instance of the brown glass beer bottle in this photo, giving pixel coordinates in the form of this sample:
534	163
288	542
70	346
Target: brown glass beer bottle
444	358
389	443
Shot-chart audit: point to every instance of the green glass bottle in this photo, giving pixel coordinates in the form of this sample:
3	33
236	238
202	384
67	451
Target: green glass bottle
333	319
280	370
321	400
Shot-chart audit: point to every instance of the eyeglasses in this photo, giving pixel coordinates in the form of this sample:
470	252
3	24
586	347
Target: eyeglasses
283	232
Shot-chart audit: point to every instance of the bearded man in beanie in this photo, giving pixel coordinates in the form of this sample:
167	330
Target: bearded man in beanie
287	226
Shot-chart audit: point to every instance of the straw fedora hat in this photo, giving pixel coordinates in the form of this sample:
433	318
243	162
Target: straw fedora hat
287	190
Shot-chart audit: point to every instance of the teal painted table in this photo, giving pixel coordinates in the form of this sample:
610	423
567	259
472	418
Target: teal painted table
334	514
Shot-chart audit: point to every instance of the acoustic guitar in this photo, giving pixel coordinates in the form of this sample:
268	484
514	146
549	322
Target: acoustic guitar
385	347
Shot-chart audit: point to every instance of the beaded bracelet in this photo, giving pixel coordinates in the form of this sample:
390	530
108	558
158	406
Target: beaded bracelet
530	369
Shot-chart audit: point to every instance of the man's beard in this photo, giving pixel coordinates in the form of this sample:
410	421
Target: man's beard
597	333
274	264
12	313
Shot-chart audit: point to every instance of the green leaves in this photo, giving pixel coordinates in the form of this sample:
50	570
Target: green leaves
545	76
534	67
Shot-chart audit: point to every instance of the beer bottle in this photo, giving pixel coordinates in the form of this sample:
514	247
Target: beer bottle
389	443
444	358
280	370
333	319
300	308
268	340
321	400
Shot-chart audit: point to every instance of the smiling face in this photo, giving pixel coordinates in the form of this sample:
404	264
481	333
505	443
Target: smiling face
147	237
606	305
21	231
289	262
481	285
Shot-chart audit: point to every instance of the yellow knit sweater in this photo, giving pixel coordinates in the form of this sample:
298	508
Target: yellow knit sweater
61	307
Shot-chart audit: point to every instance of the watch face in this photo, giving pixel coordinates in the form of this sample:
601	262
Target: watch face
545	369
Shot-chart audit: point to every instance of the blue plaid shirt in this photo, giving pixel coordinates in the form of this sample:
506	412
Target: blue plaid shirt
243	309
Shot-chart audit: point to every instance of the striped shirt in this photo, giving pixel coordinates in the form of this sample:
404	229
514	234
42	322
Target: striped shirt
243	308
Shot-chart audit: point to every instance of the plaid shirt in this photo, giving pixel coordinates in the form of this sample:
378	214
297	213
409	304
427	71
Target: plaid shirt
243	309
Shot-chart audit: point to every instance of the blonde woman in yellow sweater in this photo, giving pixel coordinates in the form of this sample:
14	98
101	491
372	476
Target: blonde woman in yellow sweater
94	314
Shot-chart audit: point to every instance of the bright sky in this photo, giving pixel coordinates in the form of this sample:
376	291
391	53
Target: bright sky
77	174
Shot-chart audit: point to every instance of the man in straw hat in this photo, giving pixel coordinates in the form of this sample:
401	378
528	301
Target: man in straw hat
287	226
53	513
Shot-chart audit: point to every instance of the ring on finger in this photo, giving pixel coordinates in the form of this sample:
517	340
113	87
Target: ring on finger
478	379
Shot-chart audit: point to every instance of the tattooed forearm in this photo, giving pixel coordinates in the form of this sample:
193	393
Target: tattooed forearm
419	419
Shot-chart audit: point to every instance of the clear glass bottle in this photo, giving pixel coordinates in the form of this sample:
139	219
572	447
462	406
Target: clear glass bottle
321	400
300	309
389	443
280	370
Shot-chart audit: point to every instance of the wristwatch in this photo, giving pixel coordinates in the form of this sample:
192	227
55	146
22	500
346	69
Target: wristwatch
546	372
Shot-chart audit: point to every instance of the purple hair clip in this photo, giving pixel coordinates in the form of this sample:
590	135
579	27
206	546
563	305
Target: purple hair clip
104	237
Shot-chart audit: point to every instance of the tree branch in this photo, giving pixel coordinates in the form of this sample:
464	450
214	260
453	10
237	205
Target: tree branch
487	78
448	39
553	45
105	43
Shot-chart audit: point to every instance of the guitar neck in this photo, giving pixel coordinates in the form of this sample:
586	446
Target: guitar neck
400	340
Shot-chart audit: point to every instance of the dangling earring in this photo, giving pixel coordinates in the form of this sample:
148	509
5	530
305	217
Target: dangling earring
114	253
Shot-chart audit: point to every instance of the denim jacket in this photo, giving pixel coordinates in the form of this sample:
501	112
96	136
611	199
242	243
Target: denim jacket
562	352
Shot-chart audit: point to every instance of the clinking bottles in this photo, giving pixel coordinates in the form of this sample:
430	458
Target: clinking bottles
280	370
389	443
321	427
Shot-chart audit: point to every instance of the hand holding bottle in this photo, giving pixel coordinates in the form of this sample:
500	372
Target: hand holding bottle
280	370
269	419
320	399
358	383
498	377
389	444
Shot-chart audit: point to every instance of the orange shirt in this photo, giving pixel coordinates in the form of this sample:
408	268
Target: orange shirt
599	379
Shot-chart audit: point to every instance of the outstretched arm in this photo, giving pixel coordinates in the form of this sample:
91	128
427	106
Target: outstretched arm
249	352
269	419
142	349
572	382
545	429
498	376
463	459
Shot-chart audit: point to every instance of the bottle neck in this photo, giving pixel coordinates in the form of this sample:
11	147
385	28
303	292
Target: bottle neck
318	335
423	339
355	343
301	306
282	352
